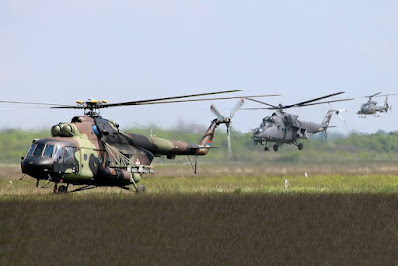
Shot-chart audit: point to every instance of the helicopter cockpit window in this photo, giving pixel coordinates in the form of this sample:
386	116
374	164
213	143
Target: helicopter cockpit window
69	155
39	150
31	150
48	152
268	125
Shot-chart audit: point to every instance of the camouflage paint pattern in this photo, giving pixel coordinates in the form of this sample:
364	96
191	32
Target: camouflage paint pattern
93	151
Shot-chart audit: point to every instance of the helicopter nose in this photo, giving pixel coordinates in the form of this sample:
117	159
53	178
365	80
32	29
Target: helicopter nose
37	167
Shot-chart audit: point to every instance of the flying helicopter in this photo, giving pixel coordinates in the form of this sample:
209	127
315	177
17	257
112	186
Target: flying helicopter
283	128
92	151
371	108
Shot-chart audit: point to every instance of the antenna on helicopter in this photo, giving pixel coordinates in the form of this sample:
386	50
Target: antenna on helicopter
227	121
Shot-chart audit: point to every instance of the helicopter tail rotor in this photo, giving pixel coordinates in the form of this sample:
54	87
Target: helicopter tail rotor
227	121
337	112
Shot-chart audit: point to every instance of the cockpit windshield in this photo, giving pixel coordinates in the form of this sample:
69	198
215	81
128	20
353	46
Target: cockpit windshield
266	124
39	150
48	152
44	150
31	150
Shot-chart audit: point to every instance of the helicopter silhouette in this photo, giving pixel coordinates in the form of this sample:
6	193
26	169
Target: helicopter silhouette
284	128
371	107
92	151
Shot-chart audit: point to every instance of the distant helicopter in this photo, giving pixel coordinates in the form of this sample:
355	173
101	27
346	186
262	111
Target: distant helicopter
283	128
92	151
371	108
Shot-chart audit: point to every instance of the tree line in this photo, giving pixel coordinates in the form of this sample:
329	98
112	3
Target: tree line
356	147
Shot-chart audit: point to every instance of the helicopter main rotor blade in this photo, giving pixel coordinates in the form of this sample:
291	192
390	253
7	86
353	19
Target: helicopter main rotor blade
257	101
237	106
141	102
371	96
257	108
341	100
68	107
391	94
376	95
309	104
35	103
310	101
207	99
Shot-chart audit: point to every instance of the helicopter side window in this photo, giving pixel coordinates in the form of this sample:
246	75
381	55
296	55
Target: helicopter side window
58	154
31	150
69	155
39	149
48	152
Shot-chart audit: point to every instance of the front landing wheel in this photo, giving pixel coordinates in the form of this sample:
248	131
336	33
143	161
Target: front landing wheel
62	189
300	146
275	147
141	189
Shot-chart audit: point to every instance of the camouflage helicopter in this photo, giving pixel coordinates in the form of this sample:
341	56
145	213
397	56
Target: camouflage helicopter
92	151
284	128
371	108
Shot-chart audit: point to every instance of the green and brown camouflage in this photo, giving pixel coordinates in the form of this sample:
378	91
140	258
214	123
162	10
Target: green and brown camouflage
91	150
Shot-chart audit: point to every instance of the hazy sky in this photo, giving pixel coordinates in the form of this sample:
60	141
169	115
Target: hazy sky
63	51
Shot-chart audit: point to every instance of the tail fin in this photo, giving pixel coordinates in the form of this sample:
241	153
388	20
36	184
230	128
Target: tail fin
386	105
327	118
209	134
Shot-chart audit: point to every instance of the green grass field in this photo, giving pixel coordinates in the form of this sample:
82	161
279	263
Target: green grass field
230	215
172	179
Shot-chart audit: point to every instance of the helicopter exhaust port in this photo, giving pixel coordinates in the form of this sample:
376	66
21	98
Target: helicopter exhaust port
302	136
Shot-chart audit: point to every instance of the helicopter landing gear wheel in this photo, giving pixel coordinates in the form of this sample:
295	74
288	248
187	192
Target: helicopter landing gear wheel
141	189
275	147
62	189
266	149
55	189
300	146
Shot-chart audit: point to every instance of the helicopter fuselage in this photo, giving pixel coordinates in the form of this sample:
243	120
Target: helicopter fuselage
284	128
371	107
93	151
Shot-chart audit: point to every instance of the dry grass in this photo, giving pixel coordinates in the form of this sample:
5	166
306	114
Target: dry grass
202	229
227	216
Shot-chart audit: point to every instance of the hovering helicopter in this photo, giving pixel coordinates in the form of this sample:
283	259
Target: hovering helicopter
284	128
92	151
371	108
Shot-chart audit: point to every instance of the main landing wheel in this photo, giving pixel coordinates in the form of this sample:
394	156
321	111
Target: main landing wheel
62	189
141	189
276	147
300	146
